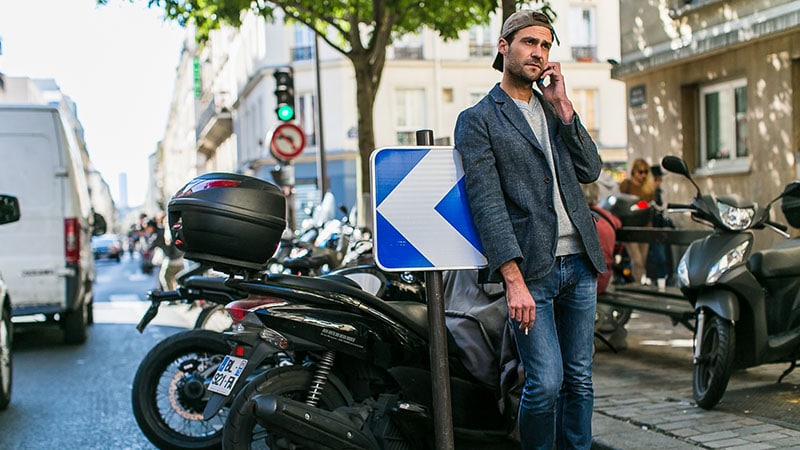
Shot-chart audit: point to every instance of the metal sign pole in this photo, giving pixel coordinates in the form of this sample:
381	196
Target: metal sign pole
440	370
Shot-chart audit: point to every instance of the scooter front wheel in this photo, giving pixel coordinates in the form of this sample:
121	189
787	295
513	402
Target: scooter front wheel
714	363
213	317
169	391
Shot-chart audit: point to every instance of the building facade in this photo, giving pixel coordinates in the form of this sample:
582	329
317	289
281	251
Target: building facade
717	83
426	83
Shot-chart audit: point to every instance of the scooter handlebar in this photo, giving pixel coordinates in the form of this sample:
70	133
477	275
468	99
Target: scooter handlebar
680	207
776	225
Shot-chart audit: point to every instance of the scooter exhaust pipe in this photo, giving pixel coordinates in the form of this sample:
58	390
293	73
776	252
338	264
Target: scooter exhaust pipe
310	426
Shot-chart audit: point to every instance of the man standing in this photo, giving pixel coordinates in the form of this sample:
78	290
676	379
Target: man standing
525	153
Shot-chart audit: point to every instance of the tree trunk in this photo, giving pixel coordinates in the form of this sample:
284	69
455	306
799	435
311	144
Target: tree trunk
366	91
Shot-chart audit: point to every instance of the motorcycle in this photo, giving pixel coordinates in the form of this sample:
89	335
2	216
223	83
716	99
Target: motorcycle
747	311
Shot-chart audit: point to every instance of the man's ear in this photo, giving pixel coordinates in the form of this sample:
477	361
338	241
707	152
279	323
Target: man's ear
502	47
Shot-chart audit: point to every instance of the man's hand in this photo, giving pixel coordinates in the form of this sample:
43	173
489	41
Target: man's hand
521	306
556	92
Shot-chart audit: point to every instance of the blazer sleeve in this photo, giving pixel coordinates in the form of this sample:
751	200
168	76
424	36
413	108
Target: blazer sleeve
582	149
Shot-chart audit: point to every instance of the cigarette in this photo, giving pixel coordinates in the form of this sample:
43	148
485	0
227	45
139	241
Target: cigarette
526	331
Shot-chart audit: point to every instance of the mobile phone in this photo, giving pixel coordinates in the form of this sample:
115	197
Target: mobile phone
540	81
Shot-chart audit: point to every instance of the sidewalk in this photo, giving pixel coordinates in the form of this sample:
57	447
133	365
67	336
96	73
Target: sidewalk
643	398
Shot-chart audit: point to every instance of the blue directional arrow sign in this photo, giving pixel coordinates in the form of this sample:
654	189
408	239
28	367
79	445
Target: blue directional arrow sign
422	220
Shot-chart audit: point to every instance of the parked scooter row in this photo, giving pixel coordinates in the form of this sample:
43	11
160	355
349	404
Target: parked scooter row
318	362
332	343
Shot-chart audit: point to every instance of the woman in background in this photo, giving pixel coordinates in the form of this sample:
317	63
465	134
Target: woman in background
640	184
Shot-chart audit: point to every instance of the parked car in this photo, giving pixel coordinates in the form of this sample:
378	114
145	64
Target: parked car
47	258
9	212
107	246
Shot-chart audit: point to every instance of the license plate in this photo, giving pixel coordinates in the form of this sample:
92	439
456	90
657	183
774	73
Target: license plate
229	371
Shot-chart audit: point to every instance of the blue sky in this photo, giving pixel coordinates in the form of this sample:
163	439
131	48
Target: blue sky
117	62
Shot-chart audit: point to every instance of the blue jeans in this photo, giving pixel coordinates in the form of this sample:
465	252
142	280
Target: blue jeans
557	397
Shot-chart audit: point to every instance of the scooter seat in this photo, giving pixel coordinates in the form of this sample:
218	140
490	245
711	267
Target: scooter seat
208	284
414	315
782	260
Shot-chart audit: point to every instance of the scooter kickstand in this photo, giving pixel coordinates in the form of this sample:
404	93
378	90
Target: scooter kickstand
787	371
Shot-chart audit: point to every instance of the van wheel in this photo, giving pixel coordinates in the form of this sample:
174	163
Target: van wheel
74	323
6	334
90	313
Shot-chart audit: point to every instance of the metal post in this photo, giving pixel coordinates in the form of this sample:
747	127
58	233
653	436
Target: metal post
322	163
440	370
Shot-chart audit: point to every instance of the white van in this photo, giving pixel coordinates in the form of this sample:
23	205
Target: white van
46	256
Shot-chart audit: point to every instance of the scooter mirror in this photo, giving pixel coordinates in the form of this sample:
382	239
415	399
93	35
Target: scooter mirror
675	165
792	189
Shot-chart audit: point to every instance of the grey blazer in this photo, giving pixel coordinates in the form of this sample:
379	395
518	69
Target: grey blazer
508	183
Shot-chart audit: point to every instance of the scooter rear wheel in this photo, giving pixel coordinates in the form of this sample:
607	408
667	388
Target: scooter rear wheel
241	431
169	391
712	369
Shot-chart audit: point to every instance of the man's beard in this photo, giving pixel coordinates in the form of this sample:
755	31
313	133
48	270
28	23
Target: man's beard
517	69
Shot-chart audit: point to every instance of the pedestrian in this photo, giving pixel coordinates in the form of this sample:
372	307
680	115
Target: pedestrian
172	262
524	153
640	184
659	256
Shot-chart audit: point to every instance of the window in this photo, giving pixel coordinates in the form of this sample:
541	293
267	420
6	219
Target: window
303	49
583	33
307	116
585	104
723	126
410	107
480	41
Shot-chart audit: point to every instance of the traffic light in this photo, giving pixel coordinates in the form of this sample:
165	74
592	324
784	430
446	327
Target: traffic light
284	93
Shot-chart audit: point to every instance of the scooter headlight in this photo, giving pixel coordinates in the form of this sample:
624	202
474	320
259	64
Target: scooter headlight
683	271
729	260
735	218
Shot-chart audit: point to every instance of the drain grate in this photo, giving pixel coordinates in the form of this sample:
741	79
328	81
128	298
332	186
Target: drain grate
777	402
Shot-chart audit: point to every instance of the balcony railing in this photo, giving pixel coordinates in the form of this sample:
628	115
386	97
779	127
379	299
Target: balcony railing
584	54
214	125
477	50
408	52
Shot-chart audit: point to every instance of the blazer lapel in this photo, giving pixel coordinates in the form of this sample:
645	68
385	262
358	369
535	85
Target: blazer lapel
514	115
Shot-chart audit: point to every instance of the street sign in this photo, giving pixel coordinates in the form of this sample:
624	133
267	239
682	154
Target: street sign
422	220
286	141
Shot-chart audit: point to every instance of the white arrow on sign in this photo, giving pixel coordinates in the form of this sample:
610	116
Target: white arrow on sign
421	209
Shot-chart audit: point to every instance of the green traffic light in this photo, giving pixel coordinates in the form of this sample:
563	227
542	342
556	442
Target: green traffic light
285	112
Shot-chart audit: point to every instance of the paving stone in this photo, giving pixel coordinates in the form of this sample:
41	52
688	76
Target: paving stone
751	447
726	443
771	436
709	437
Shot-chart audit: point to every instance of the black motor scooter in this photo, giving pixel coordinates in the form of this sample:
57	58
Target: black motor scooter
357	370
747	304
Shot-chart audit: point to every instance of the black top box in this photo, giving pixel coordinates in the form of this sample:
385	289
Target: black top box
231	221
